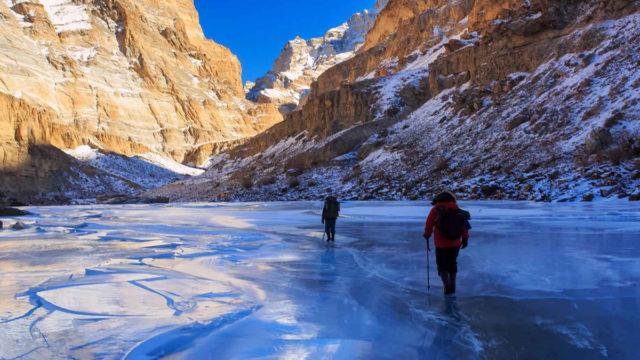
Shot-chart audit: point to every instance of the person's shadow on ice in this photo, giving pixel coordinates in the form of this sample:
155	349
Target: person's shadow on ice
449	335
328	261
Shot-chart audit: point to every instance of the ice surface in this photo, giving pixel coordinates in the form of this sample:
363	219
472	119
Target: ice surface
202	281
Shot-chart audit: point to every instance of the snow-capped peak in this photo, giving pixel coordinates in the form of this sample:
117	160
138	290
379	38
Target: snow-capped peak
302	61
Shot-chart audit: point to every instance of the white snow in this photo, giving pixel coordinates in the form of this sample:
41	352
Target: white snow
17	16
535	16
170	164
81	54
391	85
196	62
368	76
149	171
424	60
65	15
381	156
84	153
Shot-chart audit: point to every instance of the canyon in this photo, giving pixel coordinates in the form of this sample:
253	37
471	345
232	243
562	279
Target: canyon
508	99
528	100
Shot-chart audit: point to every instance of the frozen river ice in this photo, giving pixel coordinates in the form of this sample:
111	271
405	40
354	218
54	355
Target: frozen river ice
219	281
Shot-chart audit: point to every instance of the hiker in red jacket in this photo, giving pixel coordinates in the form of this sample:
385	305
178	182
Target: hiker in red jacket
451	233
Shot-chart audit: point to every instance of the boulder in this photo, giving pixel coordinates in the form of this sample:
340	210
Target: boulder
454	45
111	199
366	149
588	198
19	226
155	200
517	121
597	140
121	199
489	190
8	211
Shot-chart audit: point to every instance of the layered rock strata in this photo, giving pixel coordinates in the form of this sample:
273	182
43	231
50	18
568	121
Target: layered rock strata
123	76
496	99
131	76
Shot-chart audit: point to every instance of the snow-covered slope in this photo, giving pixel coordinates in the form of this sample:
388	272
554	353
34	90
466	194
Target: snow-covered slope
507	99
149	171
302	61
86	173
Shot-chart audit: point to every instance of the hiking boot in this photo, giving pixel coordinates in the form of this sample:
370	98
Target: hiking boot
446	282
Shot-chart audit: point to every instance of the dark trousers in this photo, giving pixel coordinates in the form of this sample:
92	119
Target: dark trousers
447	260
330	228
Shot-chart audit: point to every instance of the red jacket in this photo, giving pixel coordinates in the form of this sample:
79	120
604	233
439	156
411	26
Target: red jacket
439	240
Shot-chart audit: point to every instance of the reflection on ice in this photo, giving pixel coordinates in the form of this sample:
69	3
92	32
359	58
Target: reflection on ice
255	281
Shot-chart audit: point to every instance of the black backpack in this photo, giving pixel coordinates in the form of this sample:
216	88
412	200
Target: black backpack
332	207
450	222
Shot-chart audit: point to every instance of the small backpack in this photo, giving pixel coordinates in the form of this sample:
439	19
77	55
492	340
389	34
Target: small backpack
450	222
332	207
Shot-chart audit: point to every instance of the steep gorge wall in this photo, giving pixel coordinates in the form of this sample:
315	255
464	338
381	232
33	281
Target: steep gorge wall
463	91
24	125
405	29
129	76
482	41
488	51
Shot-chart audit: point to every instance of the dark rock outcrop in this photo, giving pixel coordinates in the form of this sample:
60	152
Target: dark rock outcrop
7	211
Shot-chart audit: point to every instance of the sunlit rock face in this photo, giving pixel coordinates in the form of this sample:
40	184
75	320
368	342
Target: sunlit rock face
302	61
132	77
519	99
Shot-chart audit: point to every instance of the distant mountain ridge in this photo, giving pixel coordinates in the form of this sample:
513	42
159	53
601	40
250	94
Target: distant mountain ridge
302	61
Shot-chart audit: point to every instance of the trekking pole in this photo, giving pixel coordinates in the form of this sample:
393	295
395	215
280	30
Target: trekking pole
428	270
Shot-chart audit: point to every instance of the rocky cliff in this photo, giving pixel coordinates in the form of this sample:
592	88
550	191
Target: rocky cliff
518	99
301	61
123	76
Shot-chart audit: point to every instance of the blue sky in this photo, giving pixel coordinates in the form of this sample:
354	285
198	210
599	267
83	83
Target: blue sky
256	30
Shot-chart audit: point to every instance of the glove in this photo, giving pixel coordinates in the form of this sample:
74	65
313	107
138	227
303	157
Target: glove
465	243
323	221
427	238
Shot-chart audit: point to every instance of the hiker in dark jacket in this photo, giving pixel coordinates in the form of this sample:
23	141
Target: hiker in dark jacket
451	234
330	213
